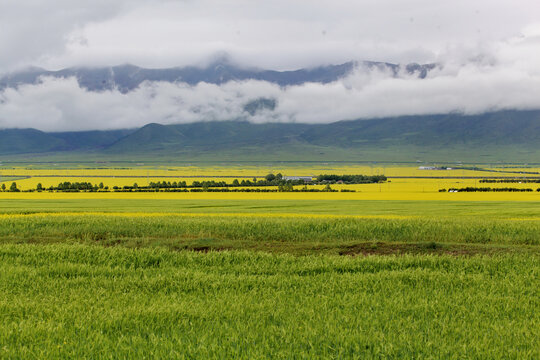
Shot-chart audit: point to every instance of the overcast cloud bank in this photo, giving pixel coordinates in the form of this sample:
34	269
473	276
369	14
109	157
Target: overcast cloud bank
62	105
488	53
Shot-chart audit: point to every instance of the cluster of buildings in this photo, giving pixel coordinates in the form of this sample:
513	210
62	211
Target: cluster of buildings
434	168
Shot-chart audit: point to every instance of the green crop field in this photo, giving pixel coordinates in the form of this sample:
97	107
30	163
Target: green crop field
274	234
134	278
83	301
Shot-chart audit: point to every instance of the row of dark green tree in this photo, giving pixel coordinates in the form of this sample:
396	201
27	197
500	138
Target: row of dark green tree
89	187
282	184
522	181
350	179
487	189
269	180
287	187
12	188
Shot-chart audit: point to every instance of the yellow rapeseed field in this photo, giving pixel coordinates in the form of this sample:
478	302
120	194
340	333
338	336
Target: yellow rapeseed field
394	185
394	189
31	183
248	171
374	195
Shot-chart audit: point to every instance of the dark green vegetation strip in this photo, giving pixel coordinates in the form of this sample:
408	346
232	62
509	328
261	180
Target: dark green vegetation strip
6	179
78	301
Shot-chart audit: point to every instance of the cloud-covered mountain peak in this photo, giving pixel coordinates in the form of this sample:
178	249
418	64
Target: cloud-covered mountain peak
128	77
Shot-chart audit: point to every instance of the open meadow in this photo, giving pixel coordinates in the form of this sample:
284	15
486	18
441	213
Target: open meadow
270	180
393	270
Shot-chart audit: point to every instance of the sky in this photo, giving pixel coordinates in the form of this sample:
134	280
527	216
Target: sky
487	51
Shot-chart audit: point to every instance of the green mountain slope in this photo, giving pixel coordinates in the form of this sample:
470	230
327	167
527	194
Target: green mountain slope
505	135
32	141
77	140
499	128
19	141
493	129
207	136
149	138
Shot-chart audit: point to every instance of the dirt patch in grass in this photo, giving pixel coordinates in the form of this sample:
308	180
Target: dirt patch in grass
388	248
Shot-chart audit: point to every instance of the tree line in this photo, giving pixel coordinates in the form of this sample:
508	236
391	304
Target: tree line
524	181
163	186
277	180
350	179
487	189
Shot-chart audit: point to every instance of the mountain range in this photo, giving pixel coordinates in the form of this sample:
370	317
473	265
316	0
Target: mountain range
497	135
125	78
508	135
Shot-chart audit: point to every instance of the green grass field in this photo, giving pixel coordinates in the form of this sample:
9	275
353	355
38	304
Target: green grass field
81	301
197	279
276	234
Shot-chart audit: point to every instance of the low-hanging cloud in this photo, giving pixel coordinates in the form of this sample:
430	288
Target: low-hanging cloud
487	54
62	105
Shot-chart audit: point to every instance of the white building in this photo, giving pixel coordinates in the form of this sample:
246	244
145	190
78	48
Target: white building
305	178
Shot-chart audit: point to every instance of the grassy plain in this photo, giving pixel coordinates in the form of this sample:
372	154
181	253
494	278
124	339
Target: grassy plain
290	233
394	270
82	301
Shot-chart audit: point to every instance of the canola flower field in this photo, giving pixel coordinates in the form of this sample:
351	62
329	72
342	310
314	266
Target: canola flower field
394	270
404	182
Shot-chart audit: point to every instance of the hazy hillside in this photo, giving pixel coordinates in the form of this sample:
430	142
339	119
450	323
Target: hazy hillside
499	128
23	141
90	139
496	135
20	141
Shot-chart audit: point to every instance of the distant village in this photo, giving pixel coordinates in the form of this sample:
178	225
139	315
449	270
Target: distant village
434	168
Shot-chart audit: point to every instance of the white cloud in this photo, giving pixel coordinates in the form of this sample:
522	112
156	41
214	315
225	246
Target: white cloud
61	105
489	51
36	32
278	34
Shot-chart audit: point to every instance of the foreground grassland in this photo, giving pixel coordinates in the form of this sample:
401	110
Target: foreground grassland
293	226
89	277
293	233
81	301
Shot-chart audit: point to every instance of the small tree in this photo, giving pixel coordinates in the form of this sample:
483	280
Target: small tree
13	187
39	187
101	186
3	187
